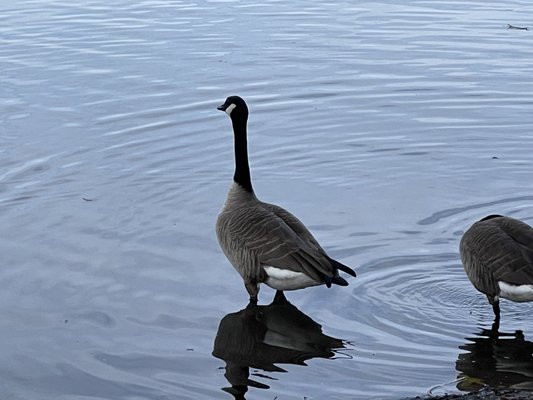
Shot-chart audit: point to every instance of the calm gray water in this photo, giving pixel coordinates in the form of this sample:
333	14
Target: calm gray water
387	128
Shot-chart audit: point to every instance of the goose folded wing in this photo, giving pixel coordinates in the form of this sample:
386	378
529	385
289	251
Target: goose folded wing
520	232
514	261
295	224
303	233
273	243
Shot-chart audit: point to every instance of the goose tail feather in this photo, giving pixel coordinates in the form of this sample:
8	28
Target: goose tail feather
342	267
339	281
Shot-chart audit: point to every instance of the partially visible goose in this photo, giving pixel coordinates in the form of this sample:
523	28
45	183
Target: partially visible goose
497	254
264	242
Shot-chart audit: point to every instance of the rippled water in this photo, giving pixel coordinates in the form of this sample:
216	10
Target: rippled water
387	128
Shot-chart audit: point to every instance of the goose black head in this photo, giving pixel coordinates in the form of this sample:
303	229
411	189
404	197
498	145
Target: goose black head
235	107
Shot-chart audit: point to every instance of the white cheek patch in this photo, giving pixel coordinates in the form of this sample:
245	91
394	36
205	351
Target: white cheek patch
230	108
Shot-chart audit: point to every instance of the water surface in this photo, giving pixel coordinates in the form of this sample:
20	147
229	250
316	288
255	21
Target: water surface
387	128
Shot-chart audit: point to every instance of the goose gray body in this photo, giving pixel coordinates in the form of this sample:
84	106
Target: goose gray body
264	242
497	254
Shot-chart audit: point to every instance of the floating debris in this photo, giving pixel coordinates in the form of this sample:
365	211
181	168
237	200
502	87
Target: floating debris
523	28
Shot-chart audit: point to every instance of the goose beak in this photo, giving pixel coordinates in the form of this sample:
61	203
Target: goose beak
227	107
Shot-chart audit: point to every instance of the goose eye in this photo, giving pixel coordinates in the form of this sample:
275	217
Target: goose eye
230	108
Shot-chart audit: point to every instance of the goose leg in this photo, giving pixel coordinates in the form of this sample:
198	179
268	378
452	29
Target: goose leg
253	289
279	298
495	328
496	308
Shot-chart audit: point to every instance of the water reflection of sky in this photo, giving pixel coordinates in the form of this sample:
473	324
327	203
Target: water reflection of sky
387	128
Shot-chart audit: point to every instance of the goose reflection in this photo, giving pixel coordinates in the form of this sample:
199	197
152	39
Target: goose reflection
498	360
259	337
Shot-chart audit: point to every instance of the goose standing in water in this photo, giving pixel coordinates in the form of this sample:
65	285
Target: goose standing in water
497	254
264	242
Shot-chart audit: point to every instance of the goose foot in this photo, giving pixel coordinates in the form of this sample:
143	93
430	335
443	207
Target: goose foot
252	305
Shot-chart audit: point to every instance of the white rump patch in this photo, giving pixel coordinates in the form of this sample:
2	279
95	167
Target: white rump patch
285	279
518	293
230	108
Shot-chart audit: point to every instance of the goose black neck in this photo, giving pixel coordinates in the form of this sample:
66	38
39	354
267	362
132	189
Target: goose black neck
242	168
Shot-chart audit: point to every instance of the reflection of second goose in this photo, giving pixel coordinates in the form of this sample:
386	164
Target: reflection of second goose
498	360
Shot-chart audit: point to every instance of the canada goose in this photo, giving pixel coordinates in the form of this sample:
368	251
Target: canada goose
264	242
497	254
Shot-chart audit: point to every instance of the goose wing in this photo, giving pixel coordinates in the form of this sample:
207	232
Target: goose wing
295	224
269	240
498	249
515	252
303	233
